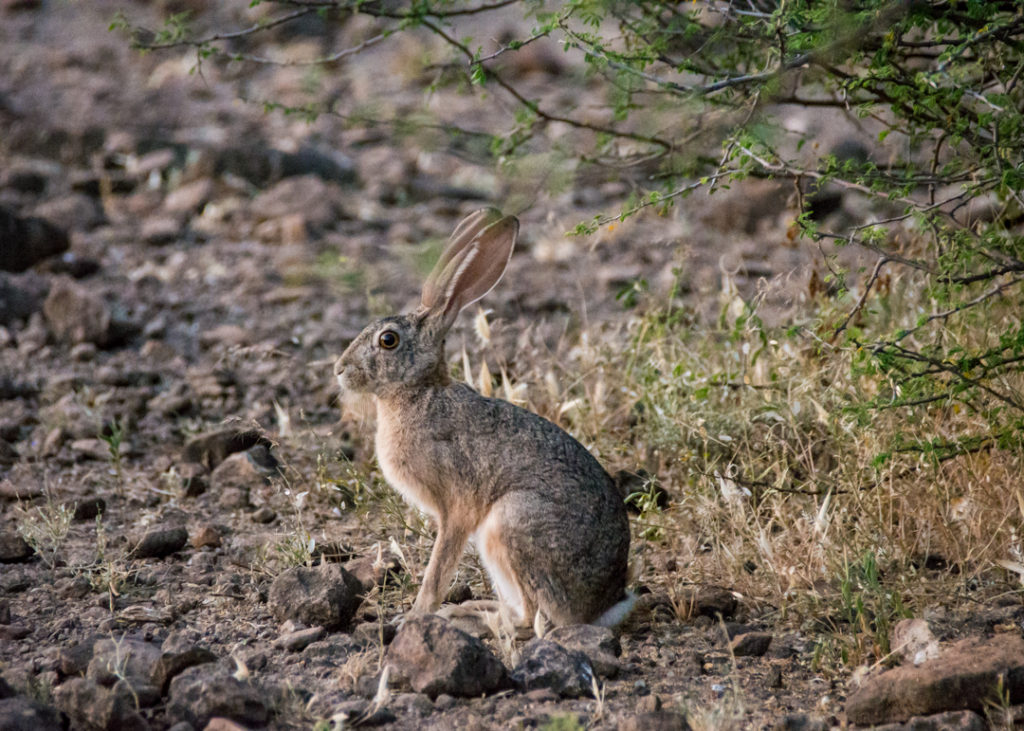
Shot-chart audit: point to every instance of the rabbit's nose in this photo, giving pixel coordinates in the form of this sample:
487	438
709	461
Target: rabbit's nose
339	367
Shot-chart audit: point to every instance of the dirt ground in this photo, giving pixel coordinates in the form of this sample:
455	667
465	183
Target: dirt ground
221	256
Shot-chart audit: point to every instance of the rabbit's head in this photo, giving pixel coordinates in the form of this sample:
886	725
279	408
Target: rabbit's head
408	350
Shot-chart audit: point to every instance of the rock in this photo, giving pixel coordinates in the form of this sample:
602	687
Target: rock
25	241
72	212
20	296
161	230
158	543
654	721
190	197
178	653
325	596
599	644
358	713
18	713
374	633
76	315
89	508
204	692
223	724
13	548
14	632
208	535
89	705
949	721
707	601
752	644
913	641
800	722
211	449
961	678
310	197
264	515
372	571
74	660
298	640
8	454
5	614
434	658
545	664
194	479
130	660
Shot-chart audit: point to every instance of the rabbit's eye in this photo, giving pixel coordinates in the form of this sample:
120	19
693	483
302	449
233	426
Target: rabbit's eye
388	340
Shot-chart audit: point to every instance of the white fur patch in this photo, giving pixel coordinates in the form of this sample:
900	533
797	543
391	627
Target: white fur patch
504	585
617	612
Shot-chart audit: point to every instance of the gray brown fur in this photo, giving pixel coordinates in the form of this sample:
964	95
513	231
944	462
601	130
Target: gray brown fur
548	521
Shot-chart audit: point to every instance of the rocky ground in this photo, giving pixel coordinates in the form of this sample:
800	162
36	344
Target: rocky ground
191	535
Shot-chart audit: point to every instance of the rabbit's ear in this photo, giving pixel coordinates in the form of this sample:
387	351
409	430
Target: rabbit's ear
472	263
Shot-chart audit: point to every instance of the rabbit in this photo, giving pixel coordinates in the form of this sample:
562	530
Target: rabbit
548	522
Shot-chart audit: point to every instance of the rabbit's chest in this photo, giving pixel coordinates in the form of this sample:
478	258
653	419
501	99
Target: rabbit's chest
397	452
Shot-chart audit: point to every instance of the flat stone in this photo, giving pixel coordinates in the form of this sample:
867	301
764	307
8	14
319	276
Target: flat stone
961	678
298	640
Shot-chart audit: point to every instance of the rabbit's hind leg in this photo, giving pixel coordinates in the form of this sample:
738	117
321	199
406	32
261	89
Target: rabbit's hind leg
493	549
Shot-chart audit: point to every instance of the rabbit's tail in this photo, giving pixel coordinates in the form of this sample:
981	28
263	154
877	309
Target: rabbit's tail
618	611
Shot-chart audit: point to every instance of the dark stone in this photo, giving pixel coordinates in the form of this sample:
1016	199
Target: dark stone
326	596
13	548
178	653
654	721
212	449
753	644
434	657
599	644
204	692
20	714
90	705
25	241
800	722
158	543
88	509
74	660
20	296
545	664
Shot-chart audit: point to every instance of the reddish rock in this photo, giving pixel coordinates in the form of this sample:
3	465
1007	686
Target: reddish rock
961	678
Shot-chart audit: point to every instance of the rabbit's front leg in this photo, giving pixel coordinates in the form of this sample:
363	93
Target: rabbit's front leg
451	539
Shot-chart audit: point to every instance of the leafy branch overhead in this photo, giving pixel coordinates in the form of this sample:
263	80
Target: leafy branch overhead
938	84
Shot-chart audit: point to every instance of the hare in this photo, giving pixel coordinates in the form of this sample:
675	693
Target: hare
547	520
